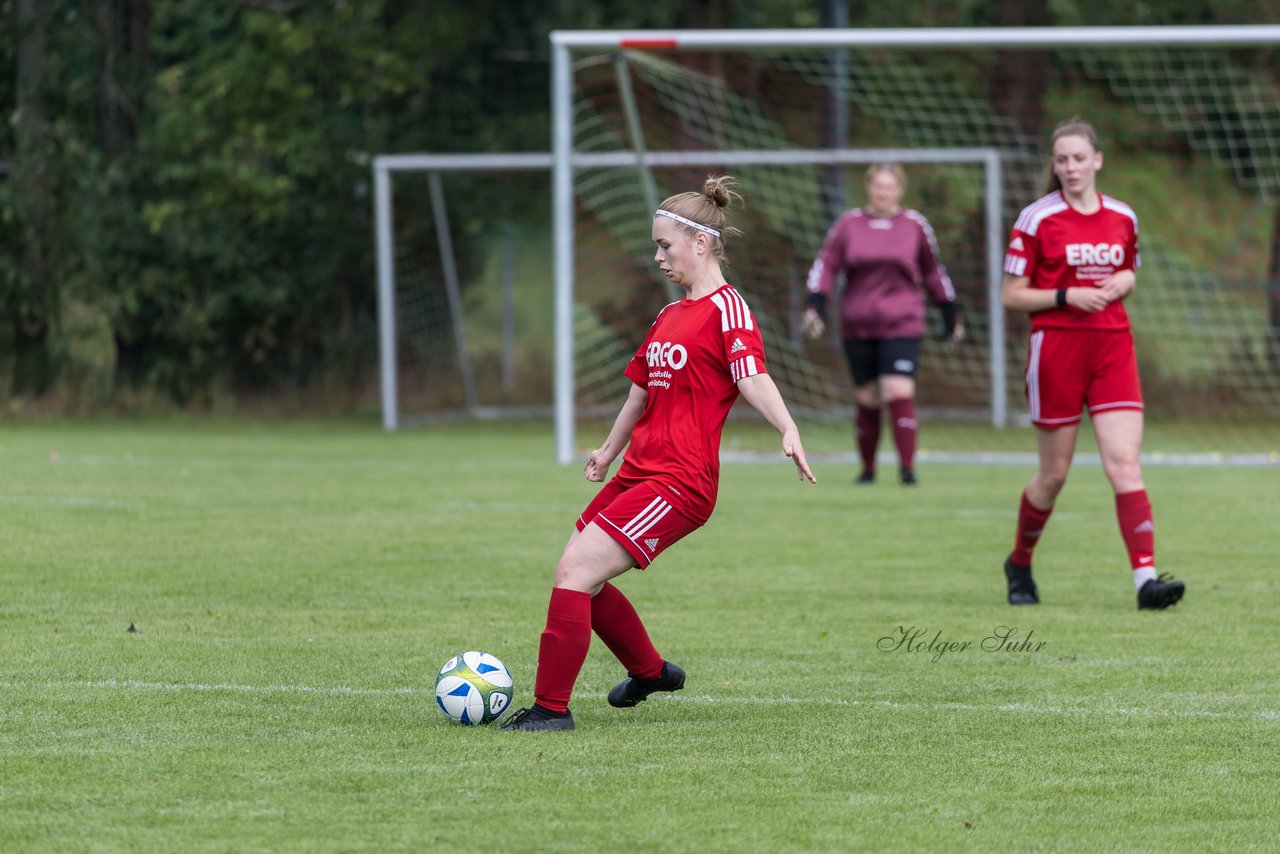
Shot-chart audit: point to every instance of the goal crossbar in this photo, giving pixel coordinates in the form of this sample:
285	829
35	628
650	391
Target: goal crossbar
1012	38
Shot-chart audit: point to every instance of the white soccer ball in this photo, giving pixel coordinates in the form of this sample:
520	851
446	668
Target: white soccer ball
473	688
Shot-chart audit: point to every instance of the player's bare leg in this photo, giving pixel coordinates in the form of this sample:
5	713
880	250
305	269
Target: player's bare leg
1056	448
1119	433
591	557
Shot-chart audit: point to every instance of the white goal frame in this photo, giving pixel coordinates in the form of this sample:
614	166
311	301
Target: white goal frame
565	160
384	166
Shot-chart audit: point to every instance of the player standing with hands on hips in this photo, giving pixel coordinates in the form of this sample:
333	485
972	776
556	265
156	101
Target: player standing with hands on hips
1070	264
699	355
887	253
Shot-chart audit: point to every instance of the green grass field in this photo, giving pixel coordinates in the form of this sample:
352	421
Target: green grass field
293	589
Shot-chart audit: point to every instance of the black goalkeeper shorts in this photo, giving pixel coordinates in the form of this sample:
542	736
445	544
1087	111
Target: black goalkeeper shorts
871	358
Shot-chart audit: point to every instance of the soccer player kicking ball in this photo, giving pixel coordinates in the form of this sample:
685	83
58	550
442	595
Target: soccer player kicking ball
1070	264
699	355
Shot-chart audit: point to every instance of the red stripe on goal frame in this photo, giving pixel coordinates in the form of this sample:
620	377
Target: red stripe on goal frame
649	44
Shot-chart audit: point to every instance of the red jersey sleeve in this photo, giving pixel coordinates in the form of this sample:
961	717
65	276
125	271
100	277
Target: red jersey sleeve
742	343
637	369
1021	254
1132	259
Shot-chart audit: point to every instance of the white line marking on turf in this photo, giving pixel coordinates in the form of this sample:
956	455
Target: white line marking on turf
342	690
219	687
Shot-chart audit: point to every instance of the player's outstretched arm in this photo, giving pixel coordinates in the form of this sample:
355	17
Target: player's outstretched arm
765	398
599	460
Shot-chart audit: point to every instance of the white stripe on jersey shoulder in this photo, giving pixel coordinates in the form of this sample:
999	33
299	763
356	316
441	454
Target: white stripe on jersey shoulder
814	282
734	313
920	220
1120	207
1036	212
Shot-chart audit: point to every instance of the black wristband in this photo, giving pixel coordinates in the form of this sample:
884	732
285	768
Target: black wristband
1060	300
818	302
950	314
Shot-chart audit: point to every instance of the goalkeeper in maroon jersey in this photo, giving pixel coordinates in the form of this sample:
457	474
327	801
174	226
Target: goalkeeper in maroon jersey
886	253
1071	265
699	355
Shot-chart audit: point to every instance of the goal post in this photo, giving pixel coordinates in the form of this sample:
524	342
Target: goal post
639	114
390	286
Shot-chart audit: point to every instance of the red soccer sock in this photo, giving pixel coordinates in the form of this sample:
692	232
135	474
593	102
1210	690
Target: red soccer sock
1133	511
619	626
902	413
563	648
866	426
1031	522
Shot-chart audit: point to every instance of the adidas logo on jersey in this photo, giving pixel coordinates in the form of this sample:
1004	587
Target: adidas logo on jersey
651	543
1016	245
737	347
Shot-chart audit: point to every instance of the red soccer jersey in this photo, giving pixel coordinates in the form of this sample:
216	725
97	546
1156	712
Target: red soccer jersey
1059	247
690	362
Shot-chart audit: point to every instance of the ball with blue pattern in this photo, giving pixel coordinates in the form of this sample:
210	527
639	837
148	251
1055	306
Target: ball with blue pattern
473	688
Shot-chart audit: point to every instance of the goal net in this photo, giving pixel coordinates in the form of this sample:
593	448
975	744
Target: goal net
1189	120
464	286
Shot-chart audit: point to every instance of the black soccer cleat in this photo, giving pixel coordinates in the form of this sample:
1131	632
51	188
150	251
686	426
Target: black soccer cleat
865	478
538	718
908	477
1022	589
1160	592
631	690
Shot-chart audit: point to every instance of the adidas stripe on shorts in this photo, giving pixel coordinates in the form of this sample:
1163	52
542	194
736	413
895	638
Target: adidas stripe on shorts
642	521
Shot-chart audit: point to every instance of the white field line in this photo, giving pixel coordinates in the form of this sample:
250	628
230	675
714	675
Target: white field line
1006	708
215	688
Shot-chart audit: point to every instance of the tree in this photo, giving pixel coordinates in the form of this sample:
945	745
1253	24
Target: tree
33	289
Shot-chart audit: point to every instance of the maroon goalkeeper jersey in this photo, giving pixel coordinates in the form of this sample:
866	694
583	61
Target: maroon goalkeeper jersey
690	363
885	260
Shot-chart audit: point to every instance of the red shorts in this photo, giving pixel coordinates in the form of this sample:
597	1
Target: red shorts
640	520
1068	369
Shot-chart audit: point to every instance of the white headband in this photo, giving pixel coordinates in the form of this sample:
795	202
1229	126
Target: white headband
687	222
